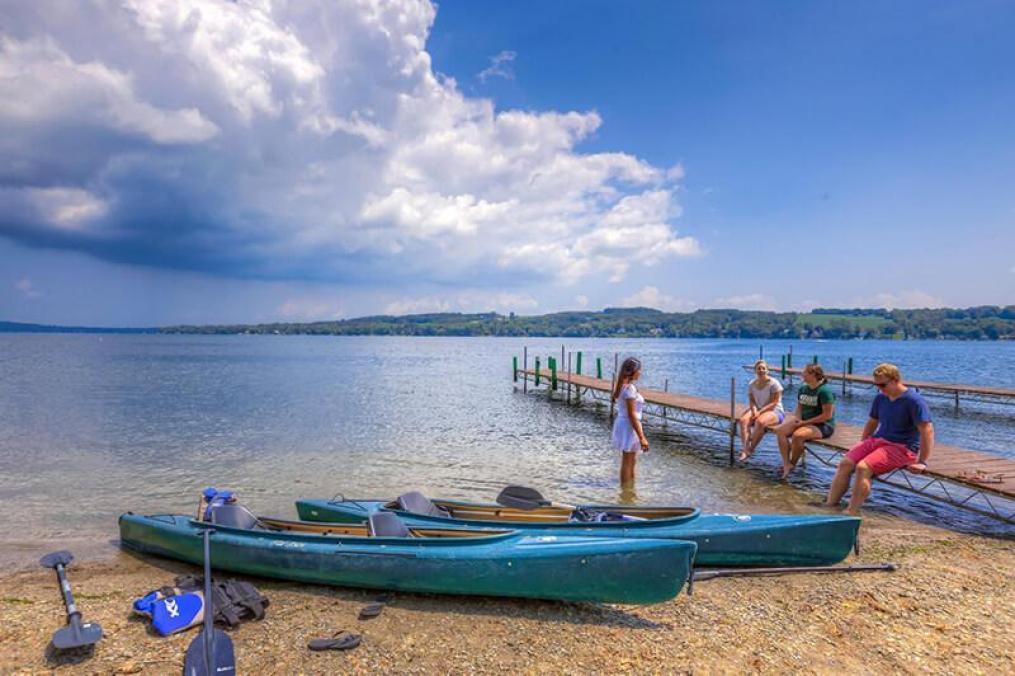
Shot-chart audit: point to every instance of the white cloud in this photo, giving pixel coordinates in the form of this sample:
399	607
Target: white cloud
500	66
652	297
306	140
582	300
750	301
28	288
309	309
908	299
468	301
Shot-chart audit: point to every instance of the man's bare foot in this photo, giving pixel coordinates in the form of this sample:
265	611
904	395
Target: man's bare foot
786	470
744	455
824	505
853	512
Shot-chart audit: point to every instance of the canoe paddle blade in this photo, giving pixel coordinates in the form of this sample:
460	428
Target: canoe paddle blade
197	658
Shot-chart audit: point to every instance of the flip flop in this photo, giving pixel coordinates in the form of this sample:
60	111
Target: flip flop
373	610
343	640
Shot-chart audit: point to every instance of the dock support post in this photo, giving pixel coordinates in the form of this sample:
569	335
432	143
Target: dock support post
525	367
514	368
761	351
613	382
579	365
956	400
569	377
784	367
815	359
666	388
553	375
537	371
733	415
844	379
849	365
599	368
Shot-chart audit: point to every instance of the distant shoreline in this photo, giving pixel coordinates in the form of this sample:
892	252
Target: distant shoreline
975	323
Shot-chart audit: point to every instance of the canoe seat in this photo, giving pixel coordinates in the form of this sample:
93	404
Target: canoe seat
235	516
386	524
415	502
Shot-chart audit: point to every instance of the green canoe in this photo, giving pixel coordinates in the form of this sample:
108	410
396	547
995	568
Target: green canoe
722	539
427	559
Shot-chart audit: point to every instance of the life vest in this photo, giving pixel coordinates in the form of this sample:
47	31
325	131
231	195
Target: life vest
177	608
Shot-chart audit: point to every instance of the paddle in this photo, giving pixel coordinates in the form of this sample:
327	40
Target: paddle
702	575
75	634
523	497
211	651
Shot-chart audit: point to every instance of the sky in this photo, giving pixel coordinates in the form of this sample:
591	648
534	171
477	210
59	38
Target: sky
251	161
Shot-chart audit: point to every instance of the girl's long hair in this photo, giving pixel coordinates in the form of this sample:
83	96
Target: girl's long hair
627	371
817	372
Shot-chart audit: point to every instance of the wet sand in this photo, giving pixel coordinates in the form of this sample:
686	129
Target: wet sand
949	609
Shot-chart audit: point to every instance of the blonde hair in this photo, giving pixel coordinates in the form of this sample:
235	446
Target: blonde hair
886	370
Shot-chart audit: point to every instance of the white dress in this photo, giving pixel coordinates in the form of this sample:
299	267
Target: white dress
624	437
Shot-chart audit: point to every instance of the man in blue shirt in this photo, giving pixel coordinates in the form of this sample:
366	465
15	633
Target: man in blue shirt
899	433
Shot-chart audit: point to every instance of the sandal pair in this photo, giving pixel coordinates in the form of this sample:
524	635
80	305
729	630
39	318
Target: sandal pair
343	640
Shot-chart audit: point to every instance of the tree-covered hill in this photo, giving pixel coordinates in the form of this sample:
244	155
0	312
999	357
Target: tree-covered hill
976	323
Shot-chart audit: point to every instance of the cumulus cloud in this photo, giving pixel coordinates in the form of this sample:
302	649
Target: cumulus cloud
307	140
28	288
652	297
749	301
469	301
500	66
901	300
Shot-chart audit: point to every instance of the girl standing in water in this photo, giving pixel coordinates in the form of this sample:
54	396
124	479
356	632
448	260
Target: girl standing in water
628	435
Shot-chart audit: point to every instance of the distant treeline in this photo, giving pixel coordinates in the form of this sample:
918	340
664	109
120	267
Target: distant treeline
977	323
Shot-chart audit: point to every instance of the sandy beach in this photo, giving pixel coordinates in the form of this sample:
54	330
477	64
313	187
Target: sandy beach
949	609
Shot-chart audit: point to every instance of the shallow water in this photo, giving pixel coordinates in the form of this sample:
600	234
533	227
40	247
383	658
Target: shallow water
91	426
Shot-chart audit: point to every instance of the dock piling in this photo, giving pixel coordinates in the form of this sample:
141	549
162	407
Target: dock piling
666	388
514	368
569	377
579	363
733	416
537	371
599	368
525	367
613	382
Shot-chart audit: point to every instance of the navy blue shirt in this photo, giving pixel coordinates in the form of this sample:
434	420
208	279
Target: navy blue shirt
897	419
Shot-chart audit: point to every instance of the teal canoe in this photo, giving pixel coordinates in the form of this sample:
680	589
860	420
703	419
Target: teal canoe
428	559
722	539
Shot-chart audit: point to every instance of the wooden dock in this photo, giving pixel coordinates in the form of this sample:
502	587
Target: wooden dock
972	480
992	395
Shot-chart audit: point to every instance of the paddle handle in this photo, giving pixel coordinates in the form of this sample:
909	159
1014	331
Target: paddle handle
73	614
209	612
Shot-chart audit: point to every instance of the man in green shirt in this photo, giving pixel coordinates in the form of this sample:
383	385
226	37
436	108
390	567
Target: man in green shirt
814	418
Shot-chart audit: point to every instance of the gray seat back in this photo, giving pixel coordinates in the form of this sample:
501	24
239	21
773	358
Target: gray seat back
415	502
386	524
234	516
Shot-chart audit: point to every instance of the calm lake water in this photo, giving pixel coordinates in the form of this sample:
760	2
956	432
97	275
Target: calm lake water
91	426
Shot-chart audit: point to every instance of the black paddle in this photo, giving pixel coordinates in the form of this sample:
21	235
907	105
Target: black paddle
211	651
75	634
702	575
523	497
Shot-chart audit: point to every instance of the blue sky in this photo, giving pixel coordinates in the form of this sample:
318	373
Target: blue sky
210	162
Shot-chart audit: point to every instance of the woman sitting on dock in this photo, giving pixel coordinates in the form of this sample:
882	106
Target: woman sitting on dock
764	411
814	417
628	435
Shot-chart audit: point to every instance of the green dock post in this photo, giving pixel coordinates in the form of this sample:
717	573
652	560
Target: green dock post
815	359
599	368
784	367
578	368
553	375
537	371
849	366
789	360
514	368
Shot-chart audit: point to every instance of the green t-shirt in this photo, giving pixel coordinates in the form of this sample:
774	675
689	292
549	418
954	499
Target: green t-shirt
812	399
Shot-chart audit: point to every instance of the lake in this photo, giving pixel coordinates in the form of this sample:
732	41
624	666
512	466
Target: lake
94	425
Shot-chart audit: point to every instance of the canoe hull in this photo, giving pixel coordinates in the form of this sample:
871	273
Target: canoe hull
604	570
722	539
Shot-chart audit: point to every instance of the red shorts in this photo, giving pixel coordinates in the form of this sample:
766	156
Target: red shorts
882	455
